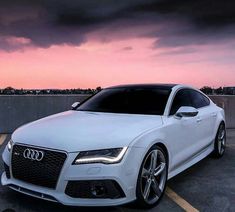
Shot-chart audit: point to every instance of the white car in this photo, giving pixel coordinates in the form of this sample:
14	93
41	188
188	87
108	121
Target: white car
119	146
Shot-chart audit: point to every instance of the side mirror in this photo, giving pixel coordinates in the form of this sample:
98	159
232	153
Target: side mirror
75	105
186	111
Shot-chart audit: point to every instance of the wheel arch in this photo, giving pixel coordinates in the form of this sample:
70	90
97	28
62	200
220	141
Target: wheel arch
153	138
219	123
220	120
160	144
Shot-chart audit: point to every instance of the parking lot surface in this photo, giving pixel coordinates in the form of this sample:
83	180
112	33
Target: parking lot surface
207	186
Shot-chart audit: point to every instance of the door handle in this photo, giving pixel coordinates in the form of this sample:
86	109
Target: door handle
199	120
214	114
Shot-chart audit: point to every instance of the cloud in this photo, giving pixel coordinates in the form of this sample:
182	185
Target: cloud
127	48
178	51
172	22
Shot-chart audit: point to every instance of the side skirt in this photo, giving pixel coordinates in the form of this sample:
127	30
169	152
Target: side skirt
196	158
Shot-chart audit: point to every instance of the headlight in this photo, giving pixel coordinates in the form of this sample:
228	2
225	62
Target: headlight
9	145
106	156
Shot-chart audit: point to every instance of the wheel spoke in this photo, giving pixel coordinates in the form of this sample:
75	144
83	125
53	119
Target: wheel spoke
153	162
223	142
147	189
145	173
219	146
222	134
159	169
156	188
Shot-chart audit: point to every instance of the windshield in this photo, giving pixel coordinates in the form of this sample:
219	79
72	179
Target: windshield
128	100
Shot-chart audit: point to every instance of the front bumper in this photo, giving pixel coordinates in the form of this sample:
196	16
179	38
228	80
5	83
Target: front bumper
124	173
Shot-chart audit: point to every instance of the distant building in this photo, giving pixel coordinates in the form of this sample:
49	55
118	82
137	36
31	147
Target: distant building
229	90
13	91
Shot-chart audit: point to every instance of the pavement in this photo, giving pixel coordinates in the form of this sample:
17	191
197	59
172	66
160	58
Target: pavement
207	186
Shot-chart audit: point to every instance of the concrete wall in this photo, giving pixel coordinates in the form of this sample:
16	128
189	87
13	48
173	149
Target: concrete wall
228	103
18	110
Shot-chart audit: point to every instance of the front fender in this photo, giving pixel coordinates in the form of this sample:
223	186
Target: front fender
150	138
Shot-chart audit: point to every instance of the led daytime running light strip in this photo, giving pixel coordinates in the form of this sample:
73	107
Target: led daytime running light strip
102	159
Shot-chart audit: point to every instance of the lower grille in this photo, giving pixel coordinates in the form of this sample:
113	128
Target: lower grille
105	189
7	170
42	173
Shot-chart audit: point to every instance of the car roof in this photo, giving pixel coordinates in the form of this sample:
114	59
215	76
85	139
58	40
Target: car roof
157	85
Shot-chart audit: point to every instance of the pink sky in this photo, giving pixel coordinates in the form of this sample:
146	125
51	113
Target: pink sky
128	60
82	44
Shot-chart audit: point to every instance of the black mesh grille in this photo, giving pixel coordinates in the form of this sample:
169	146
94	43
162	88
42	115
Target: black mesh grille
87	189
43	173
7	170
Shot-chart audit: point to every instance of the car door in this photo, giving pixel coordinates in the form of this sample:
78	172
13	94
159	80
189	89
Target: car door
205	120
181	133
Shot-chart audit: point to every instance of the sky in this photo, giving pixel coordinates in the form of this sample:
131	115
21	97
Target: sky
86	44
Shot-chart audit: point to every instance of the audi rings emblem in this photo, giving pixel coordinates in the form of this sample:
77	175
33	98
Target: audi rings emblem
33	154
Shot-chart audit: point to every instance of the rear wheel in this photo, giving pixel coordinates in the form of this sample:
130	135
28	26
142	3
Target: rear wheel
220	142
152	178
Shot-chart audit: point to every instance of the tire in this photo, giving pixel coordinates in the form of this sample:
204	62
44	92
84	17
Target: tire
152	178
220	142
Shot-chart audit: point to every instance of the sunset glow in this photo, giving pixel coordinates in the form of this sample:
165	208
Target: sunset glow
127	61
52	46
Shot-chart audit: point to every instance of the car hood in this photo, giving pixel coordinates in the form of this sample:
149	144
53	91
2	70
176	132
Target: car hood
73	131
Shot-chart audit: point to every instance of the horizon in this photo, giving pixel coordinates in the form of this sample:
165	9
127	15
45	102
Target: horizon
94	88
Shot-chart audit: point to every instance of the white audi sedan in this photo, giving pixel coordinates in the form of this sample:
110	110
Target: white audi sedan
120	145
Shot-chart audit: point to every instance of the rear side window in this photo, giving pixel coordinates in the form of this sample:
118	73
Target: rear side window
198	99
182	98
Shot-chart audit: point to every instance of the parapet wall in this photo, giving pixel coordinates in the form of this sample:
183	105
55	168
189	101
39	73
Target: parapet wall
17	110
228	103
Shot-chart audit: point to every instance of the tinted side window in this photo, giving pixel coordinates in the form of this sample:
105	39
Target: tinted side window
182	98
198	100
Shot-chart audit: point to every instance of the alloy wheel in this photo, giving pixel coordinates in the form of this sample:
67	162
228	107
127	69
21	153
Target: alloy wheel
153	176
221	140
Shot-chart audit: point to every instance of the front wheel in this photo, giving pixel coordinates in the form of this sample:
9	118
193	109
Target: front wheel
220	142
152	178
